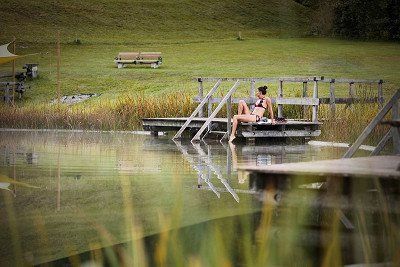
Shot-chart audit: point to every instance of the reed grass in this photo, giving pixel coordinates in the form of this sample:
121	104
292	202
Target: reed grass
126	113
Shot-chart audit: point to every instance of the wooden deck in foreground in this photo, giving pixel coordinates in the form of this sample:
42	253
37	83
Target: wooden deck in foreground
368	167
290	128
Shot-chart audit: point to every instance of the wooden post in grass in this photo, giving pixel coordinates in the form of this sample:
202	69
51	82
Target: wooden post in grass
315	95
280	95
13	73
305	94
58	68
200	95
332	100
380	94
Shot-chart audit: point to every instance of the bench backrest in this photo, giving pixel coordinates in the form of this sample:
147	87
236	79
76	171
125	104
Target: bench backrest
139	55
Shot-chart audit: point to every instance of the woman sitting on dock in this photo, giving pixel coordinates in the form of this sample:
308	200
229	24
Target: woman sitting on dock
244	114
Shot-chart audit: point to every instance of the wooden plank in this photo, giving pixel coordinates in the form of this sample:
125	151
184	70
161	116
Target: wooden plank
297	101
346	100
341	80
288	133
208	121
322	100
352	150
263	79
377	166
290	79
395	123
197	110
381	144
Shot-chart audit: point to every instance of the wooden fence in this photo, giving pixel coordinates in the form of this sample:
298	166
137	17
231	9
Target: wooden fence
305	100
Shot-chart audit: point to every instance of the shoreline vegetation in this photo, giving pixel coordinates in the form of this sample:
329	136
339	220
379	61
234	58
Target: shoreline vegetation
125	114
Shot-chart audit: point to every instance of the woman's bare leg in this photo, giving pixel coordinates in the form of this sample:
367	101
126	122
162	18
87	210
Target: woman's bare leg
243	108
236	120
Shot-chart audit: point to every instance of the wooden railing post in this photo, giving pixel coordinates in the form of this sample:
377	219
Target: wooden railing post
200	95
380	94
332	99
315	107
252	92
395	130
228	115
351	90
280	95
352	94
209	109
305	94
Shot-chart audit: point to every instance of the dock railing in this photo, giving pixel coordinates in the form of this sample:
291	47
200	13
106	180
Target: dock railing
305	100
280	100
392	104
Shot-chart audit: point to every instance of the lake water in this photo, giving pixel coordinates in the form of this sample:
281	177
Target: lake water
69	198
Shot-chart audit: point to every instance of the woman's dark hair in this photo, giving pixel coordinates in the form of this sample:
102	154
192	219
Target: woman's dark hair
263	89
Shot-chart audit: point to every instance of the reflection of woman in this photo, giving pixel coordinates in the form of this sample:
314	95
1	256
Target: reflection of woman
244	114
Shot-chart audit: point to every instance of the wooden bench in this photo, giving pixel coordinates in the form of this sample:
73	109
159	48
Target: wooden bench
154	59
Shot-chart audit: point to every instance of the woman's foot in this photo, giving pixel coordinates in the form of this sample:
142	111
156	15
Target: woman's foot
231	138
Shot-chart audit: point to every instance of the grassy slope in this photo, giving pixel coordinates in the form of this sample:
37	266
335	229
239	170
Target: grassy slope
95	72
126	21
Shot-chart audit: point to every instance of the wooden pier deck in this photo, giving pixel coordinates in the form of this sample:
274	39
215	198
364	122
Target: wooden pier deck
368	167
290	128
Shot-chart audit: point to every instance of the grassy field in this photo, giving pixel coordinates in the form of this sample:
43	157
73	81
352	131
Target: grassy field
135	22
90	68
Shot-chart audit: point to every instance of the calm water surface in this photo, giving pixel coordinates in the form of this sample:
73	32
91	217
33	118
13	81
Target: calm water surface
65	193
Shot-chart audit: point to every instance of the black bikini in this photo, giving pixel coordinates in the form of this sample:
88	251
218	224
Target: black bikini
259	105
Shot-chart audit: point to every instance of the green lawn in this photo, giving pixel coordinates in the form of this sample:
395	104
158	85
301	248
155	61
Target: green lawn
90	68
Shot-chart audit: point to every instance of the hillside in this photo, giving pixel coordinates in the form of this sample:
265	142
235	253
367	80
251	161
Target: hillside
130	21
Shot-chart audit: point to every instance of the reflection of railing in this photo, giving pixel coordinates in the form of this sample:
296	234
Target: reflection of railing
206	159
193	164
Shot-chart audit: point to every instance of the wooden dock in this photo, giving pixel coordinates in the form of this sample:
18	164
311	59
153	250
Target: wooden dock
387	167
290	128
203	120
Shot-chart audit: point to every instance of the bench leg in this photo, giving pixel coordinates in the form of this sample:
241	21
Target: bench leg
120	65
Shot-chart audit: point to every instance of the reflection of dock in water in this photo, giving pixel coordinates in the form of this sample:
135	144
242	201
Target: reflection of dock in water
204	160
201	160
